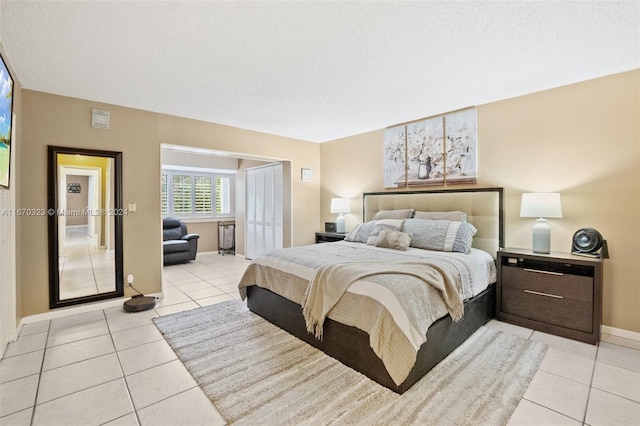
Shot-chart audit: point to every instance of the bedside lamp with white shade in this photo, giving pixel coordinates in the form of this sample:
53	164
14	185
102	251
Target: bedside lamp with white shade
541	205
340	206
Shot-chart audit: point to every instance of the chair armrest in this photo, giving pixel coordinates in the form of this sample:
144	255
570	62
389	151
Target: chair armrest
190	237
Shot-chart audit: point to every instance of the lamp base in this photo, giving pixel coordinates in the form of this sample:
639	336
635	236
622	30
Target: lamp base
340	224
541	237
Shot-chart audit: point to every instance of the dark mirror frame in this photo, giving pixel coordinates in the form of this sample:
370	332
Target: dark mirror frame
52	203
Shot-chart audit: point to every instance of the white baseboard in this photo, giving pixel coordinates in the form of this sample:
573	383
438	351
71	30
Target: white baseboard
5	342
619	332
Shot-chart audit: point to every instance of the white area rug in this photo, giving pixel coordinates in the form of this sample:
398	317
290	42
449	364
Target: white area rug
256	373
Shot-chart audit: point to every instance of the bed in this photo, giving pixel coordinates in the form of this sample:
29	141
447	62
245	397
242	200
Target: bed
389	326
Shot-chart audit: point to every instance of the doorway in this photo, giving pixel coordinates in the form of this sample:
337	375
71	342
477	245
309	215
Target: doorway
191	157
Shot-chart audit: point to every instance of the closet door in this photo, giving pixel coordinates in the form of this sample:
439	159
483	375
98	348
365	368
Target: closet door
264	204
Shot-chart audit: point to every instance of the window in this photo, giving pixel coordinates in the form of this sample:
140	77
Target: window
197	194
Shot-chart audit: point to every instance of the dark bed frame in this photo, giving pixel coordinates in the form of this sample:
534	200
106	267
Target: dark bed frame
350	345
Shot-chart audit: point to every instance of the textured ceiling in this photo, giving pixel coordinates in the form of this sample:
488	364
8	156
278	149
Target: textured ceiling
315	71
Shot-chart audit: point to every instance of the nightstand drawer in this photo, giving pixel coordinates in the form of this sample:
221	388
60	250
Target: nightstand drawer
553	284
557	293
545	307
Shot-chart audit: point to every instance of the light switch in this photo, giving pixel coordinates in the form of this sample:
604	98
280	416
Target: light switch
132	208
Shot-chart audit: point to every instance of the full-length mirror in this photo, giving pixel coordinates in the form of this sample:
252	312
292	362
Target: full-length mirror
85	225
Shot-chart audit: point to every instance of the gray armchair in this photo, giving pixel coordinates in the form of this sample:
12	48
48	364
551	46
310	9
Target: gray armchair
178	246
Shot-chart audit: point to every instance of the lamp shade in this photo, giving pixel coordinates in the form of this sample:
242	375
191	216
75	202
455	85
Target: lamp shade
340	205
541	204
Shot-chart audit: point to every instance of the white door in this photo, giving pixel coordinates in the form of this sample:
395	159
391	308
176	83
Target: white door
264	209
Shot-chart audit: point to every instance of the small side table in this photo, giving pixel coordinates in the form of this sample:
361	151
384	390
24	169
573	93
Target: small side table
557	293
329	237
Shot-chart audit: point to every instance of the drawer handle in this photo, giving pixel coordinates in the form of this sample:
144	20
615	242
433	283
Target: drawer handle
544	294
537	271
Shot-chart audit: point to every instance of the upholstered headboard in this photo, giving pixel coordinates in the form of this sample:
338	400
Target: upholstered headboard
484	208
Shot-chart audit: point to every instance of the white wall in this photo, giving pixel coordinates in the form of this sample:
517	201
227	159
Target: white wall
8	256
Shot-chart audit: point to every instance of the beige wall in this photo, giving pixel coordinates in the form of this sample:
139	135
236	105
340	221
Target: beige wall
581	140
55	120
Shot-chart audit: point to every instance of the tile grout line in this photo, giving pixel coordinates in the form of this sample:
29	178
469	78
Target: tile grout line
35	397
550	409
124	377
593	373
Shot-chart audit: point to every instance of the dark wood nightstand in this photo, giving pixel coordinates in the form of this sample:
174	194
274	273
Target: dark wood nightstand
557	293
328	237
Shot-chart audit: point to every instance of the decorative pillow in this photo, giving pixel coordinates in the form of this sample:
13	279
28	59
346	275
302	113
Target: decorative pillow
361	233
390	224
393	239
452	215
393	214
440	235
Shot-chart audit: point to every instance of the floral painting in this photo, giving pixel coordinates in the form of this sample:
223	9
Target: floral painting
432	152
425	153
395	149
461	147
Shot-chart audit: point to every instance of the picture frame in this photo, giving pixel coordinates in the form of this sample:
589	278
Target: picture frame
6	119
437	150
74	188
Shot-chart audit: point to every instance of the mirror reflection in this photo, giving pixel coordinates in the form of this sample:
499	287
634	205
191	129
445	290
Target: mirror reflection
85	234
86	257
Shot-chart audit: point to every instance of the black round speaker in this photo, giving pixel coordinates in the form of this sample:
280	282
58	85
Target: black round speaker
587	240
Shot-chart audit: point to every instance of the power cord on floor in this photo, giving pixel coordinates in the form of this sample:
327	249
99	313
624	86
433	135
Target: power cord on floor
138	302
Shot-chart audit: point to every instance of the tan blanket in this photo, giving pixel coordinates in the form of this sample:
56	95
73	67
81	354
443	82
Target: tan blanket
330	282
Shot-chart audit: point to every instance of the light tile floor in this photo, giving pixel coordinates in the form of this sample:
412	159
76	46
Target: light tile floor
84	268
114	368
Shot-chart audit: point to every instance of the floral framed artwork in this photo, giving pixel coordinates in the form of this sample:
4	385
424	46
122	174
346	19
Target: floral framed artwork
395	157
425	153
432	151
461	147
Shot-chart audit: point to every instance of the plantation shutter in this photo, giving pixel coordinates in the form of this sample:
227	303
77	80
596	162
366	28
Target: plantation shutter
223	195
197	194
164	196
182	194
203	196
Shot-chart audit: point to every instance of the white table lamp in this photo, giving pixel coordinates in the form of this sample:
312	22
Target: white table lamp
340	206
541	205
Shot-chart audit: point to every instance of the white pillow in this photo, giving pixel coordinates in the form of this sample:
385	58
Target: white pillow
393	214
